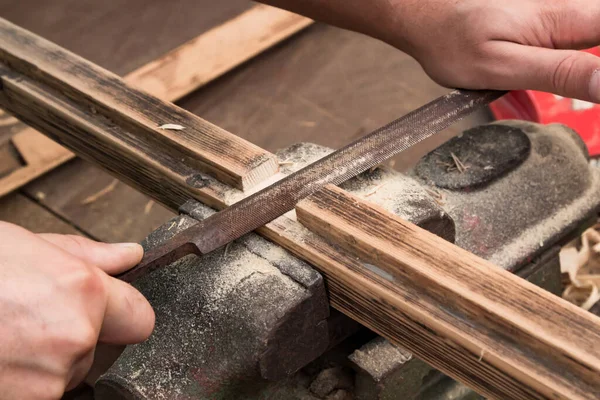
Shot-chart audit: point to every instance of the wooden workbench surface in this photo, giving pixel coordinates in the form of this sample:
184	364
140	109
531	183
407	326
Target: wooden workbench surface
325	85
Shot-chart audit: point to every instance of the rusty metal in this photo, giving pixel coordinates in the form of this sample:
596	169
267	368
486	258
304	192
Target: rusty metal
275	200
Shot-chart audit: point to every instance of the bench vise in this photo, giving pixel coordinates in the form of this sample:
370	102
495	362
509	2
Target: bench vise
252	321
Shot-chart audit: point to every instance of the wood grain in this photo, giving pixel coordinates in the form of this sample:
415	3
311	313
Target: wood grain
23	211
217	51
207	147
99	204
478	323
178	73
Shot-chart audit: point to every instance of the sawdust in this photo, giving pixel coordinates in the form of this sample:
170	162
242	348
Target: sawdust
330	379
534	238
513	219
239	265
148	207
171	127
103	192
397	193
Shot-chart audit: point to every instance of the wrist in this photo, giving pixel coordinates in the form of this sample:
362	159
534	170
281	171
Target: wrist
398	24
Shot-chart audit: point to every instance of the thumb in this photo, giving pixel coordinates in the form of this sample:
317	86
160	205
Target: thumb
111	258
568	73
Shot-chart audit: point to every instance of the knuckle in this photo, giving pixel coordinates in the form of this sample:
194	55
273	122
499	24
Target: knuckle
88	282
79	341
86	338
563	73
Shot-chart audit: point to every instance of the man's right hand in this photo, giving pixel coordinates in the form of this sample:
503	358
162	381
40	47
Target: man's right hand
57	301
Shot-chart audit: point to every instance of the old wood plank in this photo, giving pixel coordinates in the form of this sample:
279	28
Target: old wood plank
178	72
98	203
21	210
478	323
121	35
217	51
9	159
206	146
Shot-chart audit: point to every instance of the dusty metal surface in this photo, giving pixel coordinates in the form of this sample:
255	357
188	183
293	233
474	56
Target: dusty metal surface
514	217
222	317
339	166
182	290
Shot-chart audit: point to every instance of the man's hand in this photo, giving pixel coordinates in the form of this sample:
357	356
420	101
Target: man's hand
57	301
482	44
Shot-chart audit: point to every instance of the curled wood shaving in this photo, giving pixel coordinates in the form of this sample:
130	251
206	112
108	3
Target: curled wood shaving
172	127
582	265
148	207
91	199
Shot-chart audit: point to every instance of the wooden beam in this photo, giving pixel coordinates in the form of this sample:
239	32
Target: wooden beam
476	322
207	147
173	76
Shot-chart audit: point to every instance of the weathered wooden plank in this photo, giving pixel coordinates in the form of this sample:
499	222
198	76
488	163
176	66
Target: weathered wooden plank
498	333
9	159
160	168
22	211
217	51
206	146
121	35
174	74
98	203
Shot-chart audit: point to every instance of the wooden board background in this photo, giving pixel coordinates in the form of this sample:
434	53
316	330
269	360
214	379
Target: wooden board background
325	85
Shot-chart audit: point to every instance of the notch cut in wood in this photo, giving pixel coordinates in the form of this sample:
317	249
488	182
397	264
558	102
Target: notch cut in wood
476	322
207	147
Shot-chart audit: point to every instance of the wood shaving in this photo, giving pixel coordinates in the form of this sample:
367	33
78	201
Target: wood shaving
459	164
91	199
148	207
172	127
438	197
375	190
580	261
225	251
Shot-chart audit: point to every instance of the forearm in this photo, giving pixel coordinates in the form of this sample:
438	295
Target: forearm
377	18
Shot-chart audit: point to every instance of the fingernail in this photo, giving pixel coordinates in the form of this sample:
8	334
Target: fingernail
595	86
